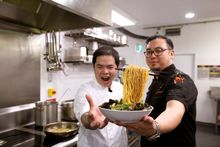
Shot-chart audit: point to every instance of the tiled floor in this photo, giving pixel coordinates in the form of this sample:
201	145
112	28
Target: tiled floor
206	136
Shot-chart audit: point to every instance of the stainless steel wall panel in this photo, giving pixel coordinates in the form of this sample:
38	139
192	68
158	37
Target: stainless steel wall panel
20	69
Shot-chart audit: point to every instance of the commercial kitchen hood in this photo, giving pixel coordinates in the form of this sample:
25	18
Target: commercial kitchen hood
37	16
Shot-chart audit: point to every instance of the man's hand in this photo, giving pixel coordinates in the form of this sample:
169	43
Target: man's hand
144	127
93	119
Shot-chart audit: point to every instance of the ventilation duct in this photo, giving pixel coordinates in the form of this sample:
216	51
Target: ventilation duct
47	15
126	32
173	32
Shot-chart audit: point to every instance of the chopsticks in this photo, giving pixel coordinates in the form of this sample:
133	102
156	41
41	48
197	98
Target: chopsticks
151	73
122	69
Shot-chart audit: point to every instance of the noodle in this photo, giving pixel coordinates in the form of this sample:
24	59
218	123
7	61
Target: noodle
134	80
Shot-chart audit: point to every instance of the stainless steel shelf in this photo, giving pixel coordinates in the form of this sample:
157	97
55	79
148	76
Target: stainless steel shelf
92	38
132	140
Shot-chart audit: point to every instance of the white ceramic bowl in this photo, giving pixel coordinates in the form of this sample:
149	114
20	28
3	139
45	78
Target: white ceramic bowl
124	115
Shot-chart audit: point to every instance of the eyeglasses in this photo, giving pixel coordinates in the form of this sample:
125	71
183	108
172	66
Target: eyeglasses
157	51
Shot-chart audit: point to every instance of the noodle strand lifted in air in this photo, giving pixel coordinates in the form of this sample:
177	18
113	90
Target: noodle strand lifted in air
134	80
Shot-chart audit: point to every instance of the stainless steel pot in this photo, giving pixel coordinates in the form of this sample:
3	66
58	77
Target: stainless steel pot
67	111
40	114
52	111
46	112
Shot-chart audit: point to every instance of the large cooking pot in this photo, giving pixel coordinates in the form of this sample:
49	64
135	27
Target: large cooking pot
67	111
40	114
46	112
52	111
61	129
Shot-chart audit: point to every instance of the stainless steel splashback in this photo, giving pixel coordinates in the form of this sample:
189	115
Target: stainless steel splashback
15	116
37	15
20	68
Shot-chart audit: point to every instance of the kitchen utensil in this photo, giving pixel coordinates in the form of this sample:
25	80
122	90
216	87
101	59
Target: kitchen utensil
40	114
151	73
52	111
67	111
61	129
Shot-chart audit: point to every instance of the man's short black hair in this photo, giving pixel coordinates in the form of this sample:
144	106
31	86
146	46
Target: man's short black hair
168	41
106	50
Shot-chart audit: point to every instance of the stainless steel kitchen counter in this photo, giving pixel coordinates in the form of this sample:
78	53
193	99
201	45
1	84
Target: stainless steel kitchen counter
133	140
71	143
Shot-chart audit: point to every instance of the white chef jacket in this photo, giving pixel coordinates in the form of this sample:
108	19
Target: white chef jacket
111	135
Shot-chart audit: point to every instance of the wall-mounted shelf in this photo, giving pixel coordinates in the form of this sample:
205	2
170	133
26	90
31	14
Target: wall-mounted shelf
95	38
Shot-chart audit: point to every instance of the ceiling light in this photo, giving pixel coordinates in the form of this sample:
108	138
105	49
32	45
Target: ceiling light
121	20
189	15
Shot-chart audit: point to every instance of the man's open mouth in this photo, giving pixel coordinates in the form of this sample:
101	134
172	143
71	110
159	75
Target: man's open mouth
105	78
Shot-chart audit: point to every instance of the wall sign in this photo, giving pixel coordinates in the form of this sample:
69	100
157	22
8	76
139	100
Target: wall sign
138	47
208	71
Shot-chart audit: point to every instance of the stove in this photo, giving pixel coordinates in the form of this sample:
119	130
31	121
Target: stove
18	138
32	136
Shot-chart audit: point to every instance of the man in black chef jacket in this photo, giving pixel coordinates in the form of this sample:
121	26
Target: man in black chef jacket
173	95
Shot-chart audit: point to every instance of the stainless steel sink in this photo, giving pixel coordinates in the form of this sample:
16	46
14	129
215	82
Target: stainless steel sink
214	93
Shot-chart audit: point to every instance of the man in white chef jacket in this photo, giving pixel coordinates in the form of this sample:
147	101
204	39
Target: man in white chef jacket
95	130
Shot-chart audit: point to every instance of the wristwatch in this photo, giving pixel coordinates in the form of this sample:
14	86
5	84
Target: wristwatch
157	134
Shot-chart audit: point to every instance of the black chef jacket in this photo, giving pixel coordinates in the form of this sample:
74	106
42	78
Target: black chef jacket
173	84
